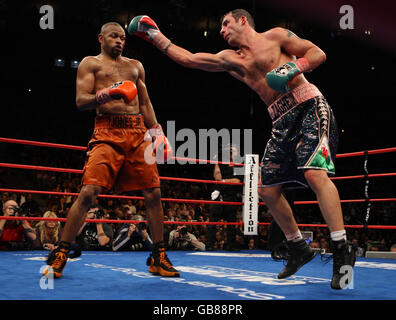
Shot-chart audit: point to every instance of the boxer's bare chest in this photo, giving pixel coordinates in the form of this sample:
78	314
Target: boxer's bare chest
109	72
252	65
259	59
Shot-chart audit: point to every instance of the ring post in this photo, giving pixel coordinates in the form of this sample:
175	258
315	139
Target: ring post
250	195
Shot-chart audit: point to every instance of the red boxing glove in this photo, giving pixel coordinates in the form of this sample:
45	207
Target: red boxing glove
162	148
145	28
124	89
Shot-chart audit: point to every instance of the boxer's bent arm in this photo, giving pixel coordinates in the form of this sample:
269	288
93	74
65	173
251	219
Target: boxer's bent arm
217	173
145	106
85	85
204	61
298	47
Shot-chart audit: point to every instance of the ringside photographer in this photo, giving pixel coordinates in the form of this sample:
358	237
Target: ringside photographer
181	239
132	237
95	236
15	235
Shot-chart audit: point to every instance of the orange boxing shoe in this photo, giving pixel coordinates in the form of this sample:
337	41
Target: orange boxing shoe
159	263
57	259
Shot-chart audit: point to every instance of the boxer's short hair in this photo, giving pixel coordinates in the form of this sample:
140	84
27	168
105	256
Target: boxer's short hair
238	13
111	23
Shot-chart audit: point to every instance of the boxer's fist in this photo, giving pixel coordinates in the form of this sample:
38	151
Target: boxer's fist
162	147
124	89
278	79
143	27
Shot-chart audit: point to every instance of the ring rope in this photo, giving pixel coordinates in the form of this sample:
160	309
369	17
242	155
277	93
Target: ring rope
383	227
65	146
57	193
80	148
79	171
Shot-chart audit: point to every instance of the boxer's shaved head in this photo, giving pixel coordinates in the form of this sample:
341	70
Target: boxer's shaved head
109	24
112	38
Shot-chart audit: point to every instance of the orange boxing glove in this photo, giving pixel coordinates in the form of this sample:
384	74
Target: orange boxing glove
124	89
162	148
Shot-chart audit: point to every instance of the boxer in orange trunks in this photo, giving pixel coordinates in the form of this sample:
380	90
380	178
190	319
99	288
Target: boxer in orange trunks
121	151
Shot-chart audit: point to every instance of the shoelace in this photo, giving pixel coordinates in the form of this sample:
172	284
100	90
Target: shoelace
164	260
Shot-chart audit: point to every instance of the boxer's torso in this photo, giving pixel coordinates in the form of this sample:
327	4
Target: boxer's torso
251	64
108	72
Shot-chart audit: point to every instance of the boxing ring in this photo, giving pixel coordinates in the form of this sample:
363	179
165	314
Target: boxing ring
214	275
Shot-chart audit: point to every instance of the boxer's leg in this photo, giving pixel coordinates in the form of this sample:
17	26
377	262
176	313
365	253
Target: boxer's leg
330	206
328	198
57	258
100	170
299	252
316	157
78	211
279	208
155	215
158	262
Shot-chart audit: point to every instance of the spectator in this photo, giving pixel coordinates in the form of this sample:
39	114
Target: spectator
383	245
200	229
240	242
30	207
314	244
180	238
219	241
324	244
95	236
202	238
130	206
393	248
170	213
132	237
48	233
252	244
4	198
262	238
15	235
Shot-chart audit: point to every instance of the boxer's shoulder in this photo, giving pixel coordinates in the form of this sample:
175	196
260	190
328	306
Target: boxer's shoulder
90	62
133	62
227	56
278	33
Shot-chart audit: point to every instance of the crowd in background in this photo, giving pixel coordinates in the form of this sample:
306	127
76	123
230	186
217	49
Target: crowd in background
190	237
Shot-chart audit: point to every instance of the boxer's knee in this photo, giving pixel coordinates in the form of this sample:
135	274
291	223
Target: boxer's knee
269	194
88	195
316	178
152	196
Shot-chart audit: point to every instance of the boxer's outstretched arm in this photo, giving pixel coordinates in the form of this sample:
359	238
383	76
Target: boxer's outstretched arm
203	61
146	28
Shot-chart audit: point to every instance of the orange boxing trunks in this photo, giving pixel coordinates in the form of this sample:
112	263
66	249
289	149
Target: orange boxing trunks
115	156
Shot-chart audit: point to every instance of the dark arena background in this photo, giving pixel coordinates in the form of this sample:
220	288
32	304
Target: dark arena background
38	73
